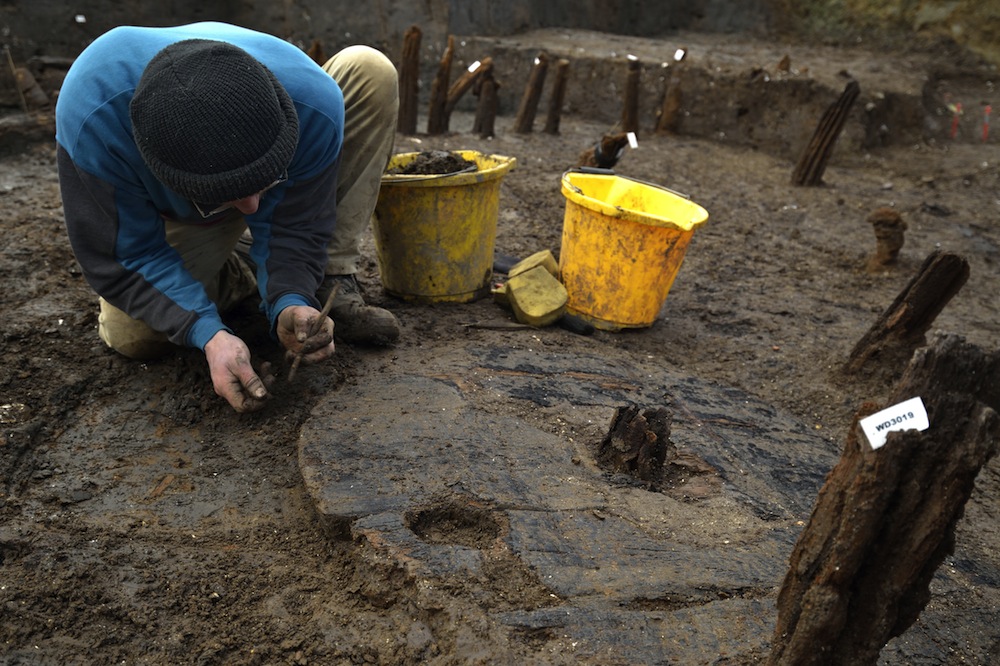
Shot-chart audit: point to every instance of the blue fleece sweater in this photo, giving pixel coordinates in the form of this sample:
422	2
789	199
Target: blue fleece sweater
115	208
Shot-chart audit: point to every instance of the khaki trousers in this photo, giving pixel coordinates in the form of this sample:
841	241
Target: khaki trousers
369	82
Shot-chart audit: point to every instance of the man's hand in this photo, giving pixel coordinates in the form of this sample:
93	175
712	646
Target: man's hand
295	323
232	375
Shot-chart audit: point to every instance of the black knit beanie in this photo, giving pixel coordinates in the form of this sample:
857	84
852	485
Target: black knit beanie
212	123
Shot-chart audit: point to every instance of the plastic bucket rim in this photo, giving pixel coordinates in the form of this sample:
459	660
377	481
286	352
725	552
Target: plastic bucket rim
576	196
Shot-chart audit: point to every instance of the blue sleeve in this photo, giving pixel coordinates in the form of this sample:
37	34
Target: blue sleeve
294	224
119	241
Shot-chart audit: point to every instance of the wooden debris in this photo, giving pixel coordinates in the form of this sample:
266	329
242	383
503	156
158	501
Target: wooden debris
437	119
669	115
15	73
885	519
901	328
889	236
605	153
557	97
160	487
532	94
486	110
469	79
316	53
409	80
812	164
630	101
638	444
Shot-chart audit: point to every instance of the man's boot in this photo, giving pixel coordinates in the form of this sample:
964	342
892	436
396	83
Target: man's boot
354	321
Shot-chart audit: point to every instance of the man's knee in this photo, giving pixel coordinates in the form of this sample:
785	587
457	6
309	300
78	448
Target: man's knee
130	337
370	70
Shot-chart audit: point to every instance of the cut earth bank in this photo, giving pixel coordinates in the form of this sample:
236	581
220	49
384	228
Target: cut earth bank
438	502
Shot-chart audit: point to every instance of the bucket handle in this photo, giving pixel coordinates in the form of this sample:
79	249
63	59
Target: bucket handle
599	171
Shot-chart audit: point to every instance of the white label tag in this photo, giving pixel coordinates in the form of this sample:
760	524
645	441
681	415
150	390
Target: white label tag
907	415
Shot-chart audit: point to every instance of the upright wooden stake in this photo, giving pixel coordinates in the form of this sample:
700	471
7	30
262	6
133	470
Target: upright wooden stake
668	119
468	79
316	52
532	93
17	78
486	110
437	119
890	229
630	102
903	325
605	153
885	518
409	80
812	164
557	98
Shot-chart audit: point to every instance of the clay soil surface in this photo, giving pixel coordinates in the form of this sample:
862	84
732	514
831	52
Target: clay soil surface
142	521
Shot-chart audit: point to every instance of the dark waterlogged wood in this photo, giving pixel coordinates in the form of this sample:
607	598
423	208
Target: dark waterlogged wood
316	52
668	118
557	97
486	110
437	119
638	444
902	326
469	78
885	519
525	119
890	234
409	80
630	100
605	153
812	163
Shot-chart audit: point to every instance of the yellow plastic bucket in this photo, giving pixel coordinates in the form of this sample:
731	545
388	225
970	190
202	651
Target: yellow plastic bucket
435	234
623	242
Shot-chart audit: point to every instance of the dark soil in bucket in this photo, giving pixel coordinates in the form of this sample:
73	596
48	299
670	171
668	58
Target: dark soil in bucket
435	162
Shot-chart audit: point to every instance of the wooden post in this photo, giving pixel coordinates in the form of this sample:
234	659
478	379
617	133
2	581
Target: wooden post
885	518
486	110
316	53
437	119
630	102
890	231
638	444
605	154
532	93
409	80
812	164
668	119
901	328
468	79
557	97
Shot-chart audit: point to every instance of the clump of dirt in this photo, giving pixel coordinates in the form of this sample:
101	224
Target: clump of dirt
433	163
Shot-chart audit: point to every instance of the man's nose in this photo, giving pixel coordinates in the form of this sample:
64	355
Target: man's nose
248	205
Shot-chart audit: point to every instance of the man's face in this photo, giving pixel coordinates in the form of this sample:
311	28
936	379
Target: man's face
246	205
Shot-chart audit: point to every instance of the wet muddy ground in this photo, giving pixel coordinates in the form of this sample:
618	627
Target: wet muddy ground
144	522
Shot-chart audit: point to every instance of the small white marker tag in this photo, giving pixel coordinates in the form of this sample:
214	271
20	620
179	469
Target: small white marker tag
632	142
907	415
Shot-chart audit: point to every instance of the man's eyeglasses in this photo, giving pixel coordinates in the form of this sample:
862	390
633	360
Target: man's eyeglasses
208	210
